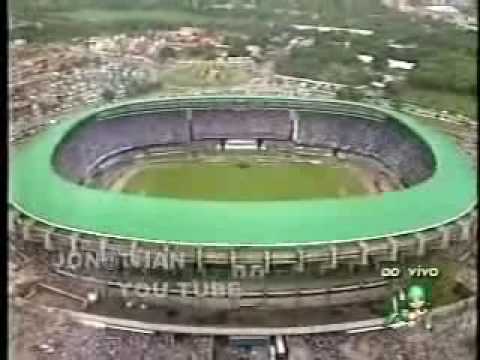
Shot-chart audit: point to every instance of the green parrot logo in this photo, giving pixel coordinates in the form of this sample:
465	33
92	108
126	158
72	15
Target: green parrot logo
409	307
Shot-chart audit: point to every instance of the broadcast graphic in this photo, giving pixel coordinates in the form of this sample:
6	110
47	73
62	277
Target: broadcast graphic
411	306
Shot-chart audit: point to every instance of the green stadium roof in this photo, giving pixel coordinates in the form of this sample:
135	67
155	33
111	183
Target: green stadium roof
38	191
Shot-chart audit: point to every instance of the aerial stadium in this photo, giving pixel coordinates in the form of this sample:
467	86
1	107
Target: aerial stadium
257	187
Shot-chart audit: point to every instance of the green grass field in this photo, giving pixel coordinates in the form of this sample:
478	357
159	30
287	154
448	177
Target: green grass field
244	181
191	76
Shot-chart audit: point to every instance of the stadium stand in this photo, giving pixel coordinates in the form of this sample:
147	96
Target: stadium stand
97	140
392	143
247	124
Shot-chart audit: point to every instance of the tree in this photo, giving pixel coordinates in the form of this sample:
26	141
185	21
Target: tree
237	46
449	73
108	94
393	92
349	94
396	103
166	53
379	63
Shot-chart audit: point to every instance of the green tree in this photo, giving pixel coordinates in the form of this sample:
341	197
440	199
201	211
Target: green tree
349	94
108	94
166	53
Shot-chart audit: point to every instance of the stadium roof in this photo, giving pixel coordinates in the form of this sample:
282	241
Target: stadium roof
38	191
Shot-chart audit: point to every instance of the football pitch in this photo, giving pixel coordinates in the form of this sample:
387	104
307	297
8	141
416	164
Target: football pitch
244	181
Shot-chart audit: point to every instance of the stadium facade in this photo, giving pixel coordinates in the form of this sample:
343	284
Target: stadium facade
434	211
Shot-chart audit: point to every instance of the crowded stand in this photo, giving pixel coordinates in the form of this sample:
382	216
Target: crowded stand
397	147
264	124
390	143
94	140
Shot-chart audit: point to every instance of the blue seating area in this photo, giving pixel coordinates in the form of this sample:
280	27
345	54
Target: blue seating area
396	146
94	140
389	142
245	124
